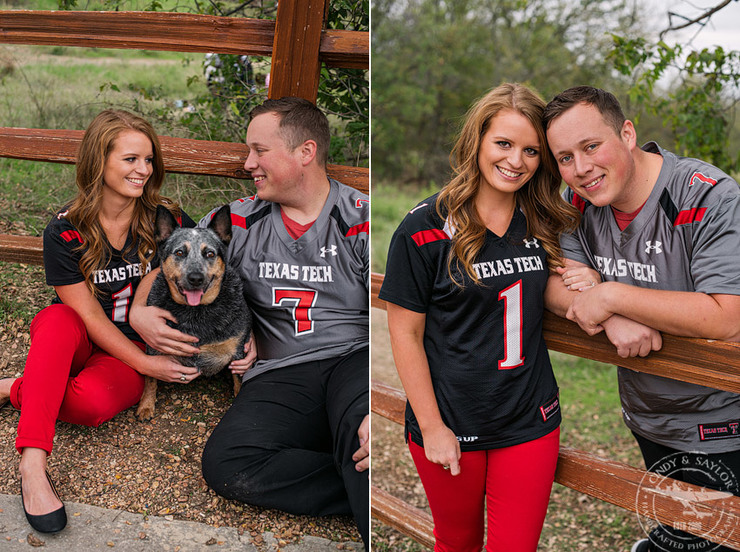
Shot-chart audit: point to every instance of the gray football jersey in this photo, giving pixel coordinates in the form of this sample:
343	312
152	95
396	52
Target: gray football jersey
685	238
309	296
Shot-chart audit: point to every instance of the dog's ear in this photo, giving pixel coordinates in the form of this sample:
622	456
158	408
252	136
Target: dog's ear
164	224
221	224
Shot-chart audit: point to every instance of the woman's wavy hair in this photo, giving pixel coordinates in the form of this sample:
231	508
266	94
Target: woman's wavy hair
547	213
97	144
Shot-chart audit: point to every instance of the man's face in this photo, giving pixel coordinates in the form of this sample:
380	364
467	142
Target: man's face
593	160
275	168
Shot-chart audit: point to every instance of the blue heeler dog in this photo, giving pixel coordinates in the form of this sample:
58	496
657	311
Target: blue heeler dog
203	292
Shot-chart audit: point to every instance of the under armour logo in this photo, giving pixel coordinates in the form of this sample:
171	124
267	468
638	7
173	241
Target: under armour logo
332	250
62	214
529	243
658	247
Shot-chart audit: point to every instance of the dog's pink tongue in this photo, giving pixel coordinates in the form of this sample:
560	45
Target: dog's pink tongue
193	296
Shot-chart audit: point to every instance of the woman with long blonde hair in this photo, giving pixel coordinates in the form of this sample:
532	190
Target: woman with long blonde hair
86	364
465	278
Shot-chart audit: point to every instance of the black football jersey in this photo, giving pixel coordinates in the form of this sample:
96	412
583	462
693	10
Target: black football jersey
489	365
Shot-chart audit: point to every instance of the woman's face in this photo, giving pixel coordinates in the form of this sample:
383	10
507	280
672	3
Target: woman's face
509	153
129	165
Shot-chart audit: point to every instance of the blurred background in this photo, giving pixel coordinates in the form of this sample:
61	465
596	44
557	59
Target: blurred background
673	65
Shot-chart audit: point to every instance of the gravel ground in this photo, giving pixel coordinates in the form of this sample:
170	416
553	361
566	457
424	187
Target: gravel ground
142	467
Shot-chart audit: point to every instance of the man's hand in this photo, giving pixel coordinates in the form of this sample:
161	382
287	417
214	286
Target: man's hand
589	308
239	367
362	454
631	338
151	324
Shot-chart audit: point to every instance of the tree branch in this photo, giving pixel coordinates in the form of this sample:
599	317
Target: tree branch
700	19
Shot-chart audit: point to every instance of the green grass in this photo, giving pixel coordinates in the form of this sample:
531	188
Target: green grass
39	89
390	203
592	414
53	87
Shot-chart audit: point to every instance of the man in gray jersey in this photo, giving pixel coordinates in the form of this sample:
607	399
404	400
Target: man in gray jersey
664	234
297	436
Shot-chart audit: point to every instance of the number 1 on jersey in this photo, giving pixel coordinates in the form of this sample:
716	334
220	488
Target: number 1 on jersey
512	298
121	303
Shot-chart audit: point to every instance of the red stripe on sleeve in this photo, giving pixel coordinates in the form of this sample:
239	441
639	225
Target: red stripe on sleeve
429	236
69	235
692	215
363	228
237	220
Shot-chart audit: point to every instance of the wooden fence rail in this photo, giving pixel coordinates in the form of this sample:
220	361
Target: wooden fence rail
181	155
297	41
175	32
706	362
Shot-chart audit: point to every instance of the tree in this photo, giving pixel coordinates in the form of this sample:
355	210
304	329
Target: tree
699	105
432	58
222	113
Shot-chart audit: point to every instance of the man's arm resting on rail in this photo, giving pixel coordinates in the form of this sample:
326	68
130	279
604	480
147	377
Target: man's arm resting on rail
628	336
682	313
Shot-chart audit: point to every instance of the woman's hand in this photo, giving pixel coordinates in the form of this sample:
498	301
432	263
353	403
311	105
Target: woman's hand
239	367
442	447
165	368
579	278
151	324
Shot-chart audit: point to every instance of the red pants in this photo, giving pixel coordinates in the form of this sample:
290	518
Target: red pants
512	484
68	378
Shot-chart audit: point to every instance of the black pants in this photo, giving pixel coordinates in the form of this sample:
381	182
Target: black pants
655	456
287	441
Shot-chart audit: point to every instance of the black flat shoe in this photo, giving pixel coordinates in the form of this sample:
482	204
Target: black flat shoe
53	522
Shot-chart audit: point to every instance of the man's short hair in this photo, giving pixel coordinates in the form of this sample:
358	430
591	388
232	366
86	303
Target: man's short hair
604	101
300	120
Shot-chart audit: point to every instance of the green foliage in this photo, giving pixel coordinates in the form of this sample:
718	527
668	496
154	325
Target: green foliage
698	107
221	112
344	93
390	204
432	59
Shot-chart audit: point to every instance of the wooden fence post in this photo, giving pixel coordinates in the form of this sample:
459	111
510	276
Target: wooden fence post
295	51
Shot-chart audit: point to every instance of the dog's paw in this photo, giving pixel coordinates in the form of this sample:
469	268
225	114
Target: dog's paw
145	410
237	381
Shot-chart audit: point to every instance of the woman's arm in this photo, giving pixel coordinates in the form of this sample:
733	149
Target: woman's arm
104	333
407	341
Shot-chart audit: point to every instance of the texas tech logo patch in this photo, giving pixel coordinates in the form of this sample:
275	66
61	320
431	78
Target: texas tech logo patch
698	178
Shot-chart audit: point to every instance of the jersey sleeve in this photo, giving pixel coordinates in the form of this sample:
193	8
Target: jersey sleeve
715	256
61	261
571	243
409	278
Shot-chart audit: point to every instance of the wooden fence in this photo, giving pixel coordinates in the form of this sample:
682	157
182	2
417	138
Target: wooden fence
296	40
705	362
